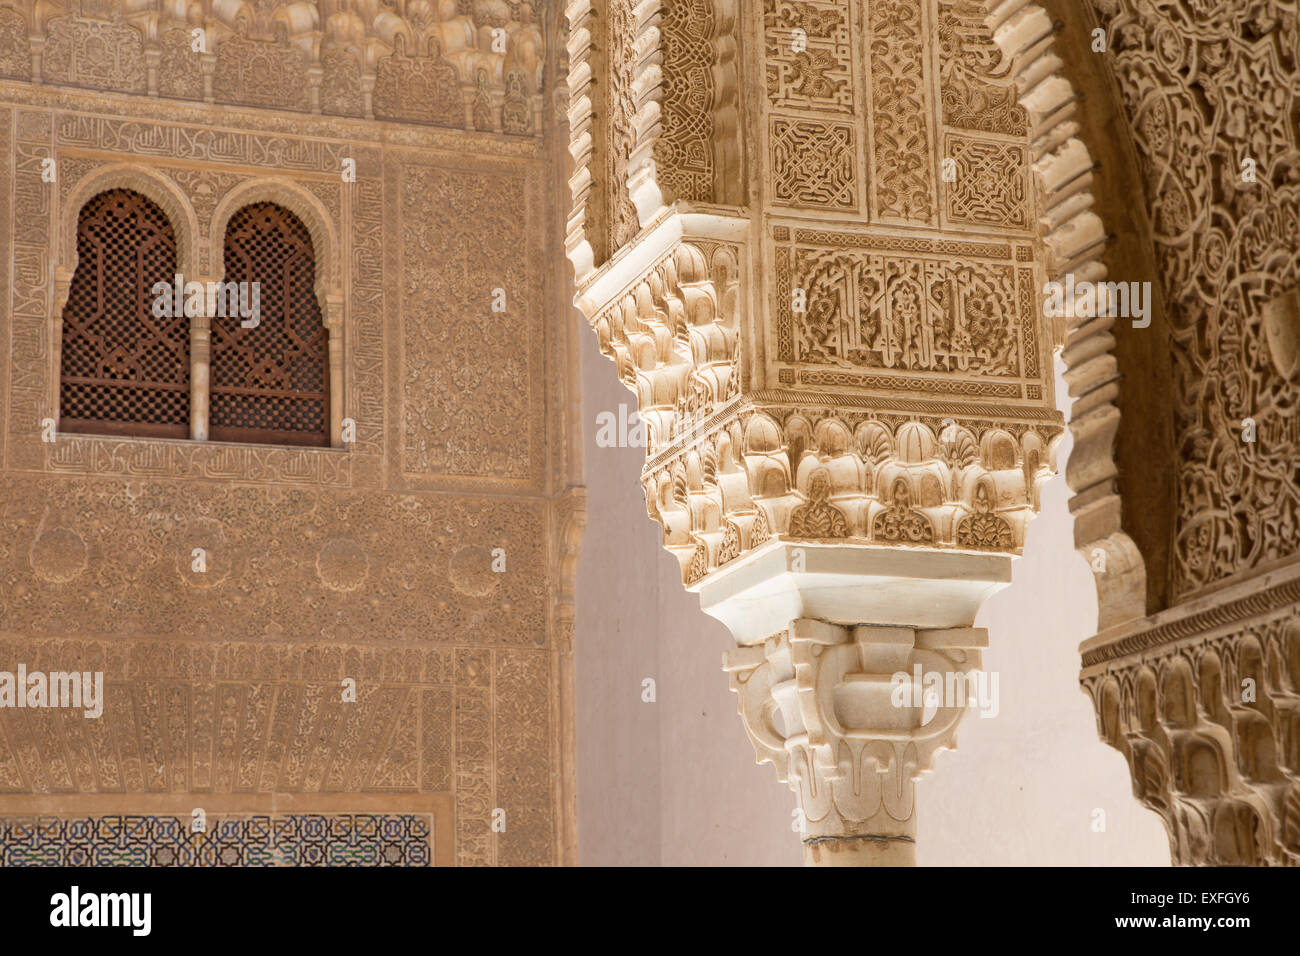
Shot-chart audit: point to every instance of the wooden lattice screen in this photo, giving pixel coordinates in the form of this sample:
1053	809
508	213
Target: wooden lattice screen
124	371
270	383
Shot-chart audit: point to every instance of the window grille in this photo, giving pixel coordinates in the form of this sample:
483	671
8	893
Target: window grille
270	382
123	369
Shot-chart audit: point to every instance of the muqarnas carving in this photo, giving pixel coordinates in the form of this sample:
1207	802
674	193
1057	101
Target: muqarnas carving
423	65
1211	730
870	478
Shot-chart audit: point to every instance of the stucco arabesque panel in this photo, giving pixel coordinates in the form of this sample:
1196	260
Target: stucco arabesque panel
100	529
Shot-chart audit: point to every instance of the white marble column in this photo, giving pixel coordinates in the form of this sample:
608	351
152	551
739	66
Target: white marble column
854	667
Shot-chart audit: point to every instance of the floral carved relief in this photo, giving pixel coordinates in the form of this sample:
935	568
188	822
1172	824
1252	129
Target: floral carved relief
975	84
419	88
15	52
623	129
1208	89
818	76
902	180
180	71
261	72
101	55
468	383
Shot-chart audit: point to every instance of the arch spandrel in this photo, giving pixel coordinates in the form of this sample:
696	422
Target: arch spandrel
1199	182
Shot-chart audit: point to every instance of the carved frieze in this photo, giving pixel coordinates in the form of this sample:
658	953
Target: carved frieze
1211	729
94	53
964	314
180	72
301	56
419	87
283	561
261	72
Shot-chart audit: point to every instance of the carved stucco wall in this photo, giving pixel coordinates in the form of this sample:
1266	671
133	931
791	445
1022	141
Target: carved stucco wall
1206	88
914	388
1201	694
373	561
472	64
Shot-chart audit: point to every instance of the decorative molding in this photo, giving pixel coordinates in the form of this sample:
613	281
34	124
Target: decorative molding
149	182
299	201
294	839
1211	731
1255	598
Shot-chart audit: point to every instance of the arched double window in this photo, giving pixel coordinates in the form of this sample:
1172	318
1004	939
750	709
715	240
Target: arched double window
126	364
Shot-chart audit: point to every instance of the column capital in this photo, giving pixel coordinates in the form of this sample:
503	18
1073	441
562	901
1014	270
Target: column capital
850	717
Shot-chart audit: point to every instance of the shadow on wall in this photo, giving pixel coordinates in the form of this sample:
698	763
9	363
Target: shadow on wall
672	781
